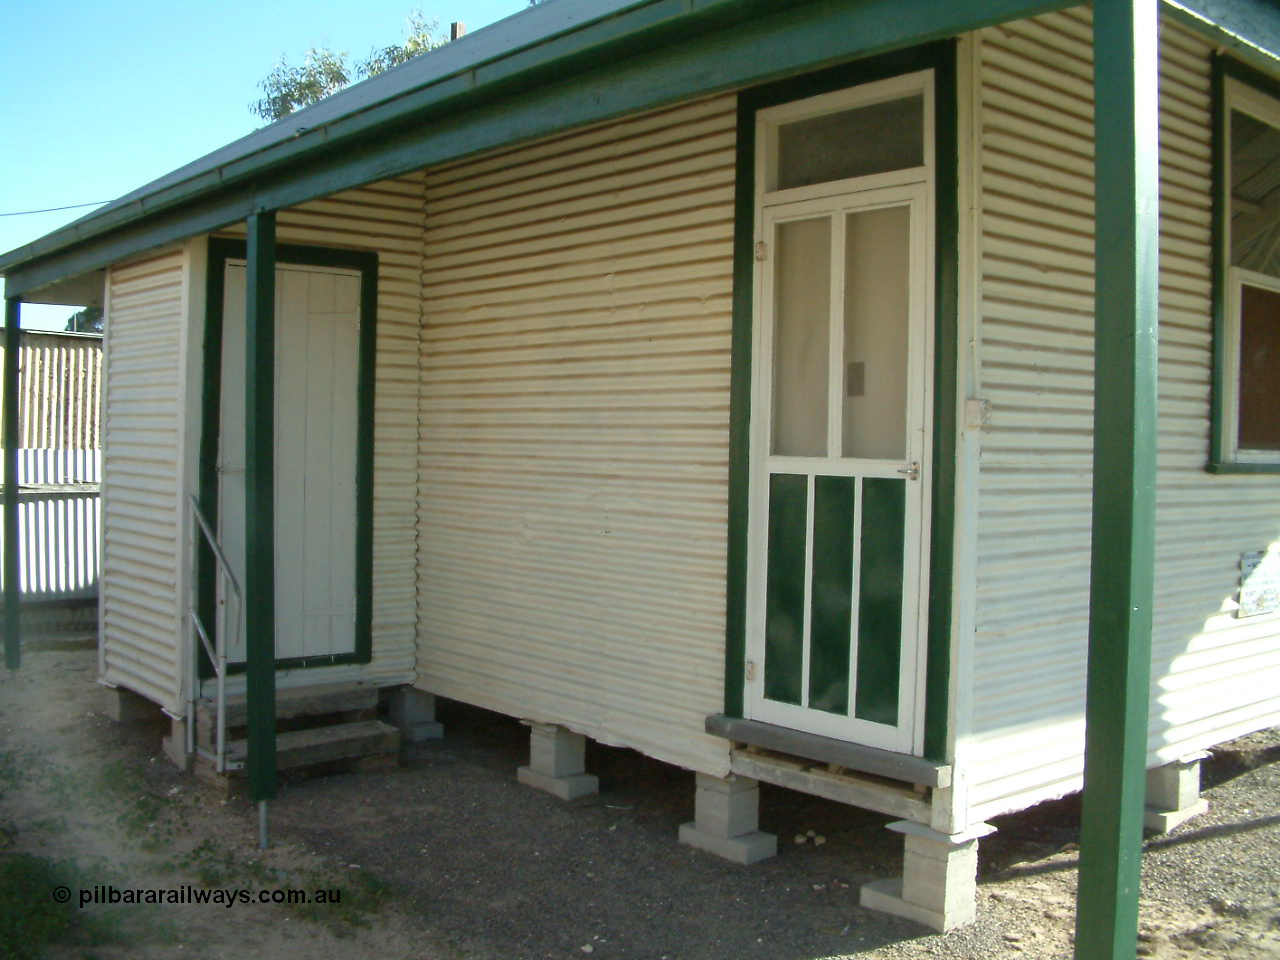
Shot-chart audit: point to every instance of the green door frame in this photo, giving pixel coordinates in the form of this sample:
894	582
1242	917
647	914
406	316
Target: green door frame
939	57
366	262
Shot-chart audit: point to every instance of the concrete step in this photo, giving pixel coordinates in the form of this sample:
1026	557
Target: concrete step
342	741
294	702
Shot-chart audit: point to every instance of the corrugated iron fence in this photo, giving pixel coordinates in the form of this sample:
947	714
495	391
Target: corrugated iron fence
59	465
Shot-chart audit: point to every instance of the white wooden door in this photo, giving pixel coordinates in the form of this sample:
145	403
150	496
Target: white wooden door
317	351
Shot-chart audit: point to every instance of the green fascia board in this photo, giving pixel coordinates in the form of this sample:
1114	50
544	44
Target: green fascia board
646	56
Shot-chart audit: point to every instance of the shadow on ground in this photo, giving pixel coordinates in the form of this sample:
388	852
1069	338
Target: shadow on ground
499	869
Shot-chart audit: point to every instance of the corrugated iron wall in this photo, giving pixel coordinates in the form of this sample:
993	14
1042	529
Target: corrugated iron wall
574	430
386	218
1214	676
61	384
141	463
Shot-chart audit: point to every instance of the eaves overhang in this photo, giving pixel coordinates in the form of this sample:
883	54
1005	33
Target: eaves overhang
561	64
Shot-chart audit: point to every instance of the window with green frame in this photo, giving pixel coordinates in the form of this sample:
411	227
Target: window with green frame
1247	271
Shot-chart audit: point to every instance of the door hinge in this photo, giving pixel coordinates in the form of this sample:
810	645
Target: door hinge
762	252
751	669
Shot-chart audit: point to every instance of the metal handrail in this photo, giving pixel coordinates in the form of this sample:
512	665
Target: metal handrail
217	549
217	649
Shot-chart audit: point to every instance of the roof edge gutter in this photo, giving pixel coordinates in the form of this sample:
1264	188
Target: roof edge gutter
567	48
662	31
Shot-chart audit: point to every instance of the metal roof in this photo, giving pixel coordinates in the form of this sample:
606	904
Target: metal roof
505	40
543	44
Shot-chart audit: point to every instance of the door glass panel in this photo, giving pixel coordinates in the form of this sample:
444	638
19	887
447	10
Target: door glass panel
801	337
853	143
876	324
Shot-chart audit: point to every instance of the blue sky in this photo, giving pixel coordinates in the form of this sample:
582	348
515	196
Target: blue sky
101	98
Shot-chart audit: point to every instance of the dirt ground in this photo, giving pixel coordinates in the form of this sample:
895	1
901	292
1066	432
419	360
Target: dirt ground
447	857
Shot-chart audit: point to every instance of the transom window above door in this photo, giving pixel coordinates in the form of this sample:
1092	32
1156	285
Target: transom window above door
870	131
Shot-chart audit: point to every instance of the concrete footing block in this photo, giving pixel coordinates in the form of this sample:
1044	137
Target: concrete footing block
745	849
413	713
726	820
557	762
569	787
939	883
175	746
1173	794
125	706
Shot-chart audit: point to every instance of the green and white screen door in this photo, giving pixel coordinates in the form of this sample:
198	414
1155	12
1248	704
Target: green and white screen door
841	416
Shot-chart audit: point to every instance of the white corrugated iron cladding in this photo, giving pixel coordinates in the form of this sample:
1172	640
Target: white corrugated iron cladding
141	621
1214	676
573	451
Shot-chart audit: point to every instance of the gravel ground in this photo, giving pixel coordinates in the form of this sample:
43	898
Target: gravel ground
480	867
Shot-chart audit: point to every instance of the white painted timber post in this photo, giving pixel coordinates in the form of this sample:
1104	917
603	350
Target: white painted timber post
557	762
939	882
726	820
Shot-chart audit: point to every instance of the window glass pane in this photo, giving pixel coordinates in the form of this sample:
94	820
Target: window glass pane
853	143
1259	426
877	303
1255	194
801	335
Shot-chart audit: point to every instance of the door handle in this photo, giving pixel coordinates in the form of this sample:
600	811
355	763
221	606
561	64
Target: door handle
912	472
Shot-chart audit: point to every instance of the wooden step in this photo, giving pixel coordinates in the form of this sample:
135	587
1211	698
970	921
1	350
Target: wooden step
293	702
342	741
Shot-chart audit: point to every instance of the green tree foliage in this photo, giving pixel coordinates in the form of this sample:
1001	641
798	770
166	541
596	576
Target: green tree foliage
324	71
88	320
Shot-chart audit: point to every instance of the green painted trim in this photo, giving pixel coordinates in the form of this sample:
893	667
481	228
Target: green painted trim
1218	272
1243	468
880	595
206	574
12	587
366	262
835	506
1223	67
259	514
1121	588
941	58
784	588
946	354
636	69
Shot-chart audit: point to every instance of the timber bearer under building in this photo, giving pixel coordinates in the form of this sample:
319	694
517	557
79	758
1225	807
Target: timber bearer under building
771	389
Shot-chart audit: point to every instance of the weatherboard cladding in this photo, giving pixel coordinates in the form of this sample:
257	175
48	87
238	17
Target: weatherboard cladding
574	430
1214	676
386	218
140	620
